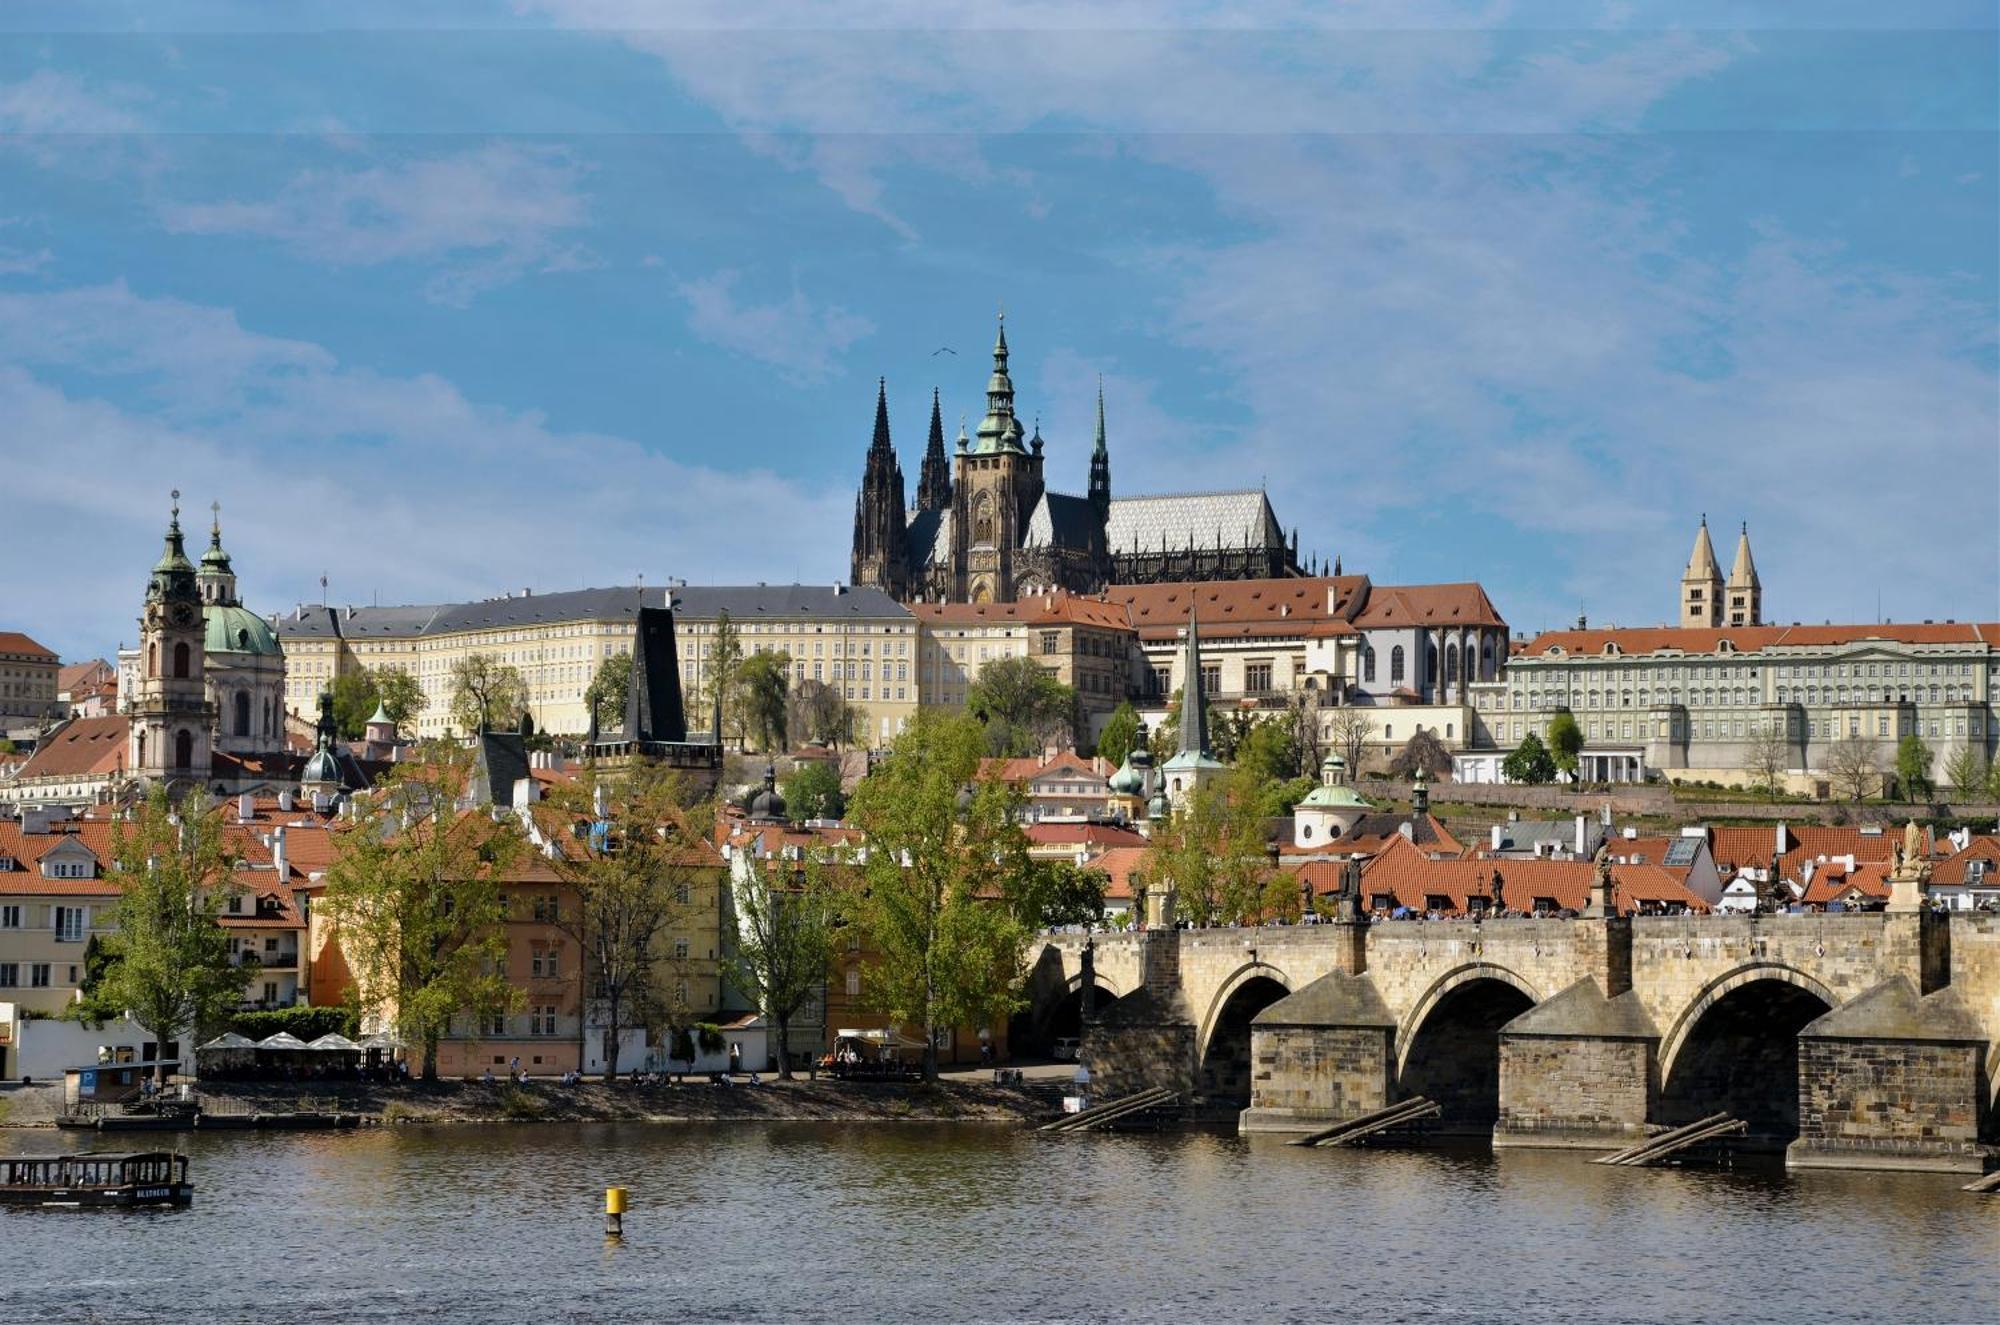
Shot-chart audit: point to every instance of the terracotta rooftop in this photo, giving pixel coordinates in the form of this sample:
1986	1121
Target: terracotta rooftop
13	641
83	747
1403	872
1753	639
1059	609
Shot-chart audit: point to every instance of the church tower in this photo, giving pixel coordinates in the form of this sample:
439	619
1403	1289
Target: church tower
1100	465
881	533
171	715
991	494
1746	594
1701	583
934	479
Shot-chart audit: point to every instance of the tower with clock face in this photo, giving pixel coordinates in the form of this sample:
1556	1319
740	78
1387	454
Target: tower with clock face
171	715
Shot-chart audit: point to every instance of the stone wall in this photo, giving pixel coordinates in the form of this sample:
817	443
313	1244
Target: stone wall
1128	1058
1307	1076
1573	1091
1881	1103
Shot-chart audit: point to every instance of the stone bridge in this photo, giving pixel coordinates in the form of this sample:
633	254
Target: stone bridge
1857	1040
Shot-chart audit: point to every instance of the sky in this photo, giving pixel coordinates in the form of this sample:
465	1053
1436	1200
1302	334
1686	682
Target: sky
445	300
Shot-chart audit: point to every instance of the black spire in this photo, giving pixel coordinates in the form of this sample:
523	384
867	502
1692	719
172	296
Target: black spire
880	446
881	531
1100	464
934	480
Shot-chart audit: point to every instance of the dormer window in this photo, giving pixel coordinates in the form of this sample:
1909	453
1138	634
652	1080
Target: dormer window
236	906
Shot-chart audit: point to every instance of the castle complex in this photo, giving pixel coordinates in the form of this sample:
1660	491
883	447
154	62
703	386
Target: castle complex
987	529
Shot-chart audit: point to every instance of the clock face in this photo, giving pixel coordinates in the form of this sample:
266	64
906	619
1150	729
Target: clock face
183	614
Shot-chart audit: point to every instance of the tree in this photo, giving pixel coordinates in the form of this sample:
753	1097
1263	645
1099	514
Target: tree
401	694
1062	892
1120	734
1530	763
721	668
1422	753
1966	771
821	713
1023	706
608	690
1302	717
944	923
354	699
784	942
167	962
1166	737
1211	852
1350	730
1266	753
418	902
486	694
1913	767
1767	755
1854	767
813	791
632	876
765	686
1565	741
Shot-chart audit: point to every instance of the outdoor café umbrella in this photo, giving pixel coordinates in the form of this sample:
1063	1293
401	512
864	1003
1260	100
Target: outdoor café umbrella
335	1042
282	1040
227	1040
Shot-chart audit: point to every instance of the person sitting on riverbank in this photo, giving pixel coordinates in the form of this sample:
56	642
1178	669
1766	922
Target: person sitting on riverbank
486	1078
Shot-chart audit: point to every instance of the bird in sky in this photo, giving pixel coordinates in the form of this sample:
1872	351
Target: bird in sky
944	349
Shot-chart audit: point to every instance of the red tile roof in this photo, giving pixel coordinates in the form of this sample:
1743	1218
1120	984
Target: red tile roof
1413	879
1833	883
1428	605
1058	609
1082	834
1225	609
1753	639
1952	869
83	747
13	641
1119	863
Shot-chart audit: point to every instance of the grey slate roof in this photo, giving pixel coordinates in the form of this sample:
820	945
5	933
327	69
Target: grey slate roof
1061	520
1212	519
930	537
771	602
751	602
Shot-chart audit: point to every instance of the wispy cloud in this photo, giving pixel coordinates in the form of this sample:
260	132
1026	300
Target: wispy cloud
50	101
802	341
484	216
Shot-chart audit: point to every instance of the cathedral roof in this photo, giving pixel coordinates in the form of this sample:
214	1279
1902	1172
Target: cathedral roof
1428	605
1211	519
1061	521
236	629
930	537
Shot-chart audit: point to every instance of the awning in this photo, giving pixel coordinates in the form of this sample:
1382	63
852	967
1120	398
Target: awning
229	1040
282	1040
381	1040
336	1042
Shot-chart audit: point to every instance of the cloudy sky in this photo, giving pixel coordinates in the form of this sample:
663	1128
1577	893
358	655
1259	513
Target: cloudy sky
440	300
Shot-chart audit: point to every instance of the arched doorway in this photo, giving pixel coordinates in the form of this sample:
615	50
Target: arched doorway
1223	1078
1740	1056
1453	1056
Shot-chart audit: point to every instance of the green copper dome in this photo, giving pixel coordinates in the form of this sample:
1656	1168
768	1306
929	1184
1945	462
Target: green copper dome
233	629
321	768
1335	798
1127	781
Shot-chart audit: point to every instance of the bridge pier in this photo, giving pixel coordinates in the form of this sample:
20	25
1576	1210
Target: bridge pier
1577	1071
1324	1055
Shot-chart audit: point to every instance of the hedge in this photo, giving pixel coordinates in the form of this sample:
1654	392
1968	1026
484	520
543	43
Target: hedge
306	1023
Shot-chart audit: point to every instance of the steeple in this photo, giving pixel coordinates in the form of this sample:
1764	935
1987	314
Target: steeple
1194	705
880	446
1745	592
173	575
1100	463
216	578
999	430
881	530
934	479
1701	583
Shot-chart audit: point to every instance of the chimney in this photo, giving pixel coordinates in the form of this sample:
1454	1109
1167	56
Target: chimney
1496	836
1778	842
246	808
278	860
1579	835
286	801
524	793
600	801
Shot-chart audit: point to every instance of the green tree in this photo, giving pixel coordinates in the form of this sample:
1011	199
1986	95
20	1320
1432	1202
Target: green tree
785	923
1966	771
401	694
721	670
634	876
1530	763
418	902
354	699
1167	736
167	962
945	924
1022	706
486	694
821	713
765	686
1422	753
1121	732
1565	741
1913	767
812	791
1266	752
1211	852
1062	892
608	690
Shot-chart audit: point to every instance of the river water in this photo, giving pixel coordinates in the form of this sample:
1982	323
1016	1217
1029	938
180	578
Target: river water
894	1222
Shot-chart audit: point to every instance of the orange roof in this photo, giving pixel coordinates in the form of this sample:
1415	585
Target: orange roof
1834	883
1056	609
1952	870
1029	767
1753	639
1414	880
85	675
82	747
1227	609
1463	604
1119	863
1082	833
13	641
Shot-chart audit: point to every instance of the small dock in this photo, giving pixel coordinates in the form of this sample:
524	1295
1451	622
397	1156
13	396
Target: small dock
1142	1108
1667	1144
1988	1185
1403	1113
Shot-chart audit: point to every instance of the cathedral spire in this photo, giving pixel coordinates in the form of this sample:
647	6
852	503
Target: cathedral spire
934	479
880	445
1194	705
999	430
1100	463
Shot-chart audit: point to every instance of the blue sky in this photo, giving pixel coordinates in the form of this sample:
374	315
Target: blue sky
443	300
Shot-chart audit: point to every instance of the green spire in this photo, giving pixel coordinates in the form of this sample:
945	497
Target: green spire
999	430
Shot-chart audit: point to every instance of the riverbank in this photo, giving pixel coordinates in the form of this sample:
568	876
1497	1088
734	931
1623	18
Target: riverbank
544	1101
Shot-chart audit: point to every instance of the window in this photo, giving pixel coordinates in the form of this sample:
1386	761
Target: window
69	922
680	947
10	975
10	917
1211	679
853	981
1049	638
1367	663
1257	676
495	1024
542	1020
1395	664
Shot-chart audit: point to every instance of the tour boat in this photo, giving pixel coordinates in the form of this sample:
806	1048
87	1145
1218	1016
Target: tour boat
96	1178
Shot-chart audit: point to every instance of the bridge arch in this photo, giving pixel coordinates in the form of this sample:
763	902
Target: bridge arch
1448	1047
1735	1050
1222	1046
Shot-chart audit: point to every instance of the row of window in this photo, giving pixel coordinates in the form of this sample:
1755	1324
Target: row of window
68	922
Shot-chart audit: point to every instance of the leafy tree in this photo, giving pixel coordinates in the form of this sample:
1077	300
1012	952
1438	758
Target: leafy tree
1993	781
486	694
1062	892
1211	852
1854	767
765	687
1023	707
1265	752
354	698
1302	718
1565	741
1422	753
1913	767
1121	732
945	923
401	694
721	671
1767	755
821	713
784	942
1530	763
1966	771
1350	729
7	746
418	902
813	791
634	877
167	962
608	690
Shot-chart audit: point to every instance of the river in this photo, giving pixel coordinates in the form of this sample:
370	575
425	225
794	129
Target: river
971	1222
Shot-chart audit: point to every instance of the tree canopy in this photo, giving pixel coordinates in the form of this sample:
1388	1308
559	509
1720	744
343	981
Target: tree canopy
812	791
1913	767
1422	753
1022	706
1565	741
1211	851
1529	763
764	684
1121	732
787	914
609	688
486	694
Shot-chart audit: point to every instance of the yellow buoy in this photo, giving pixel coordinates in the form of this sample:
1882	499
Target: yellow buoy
614	1200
